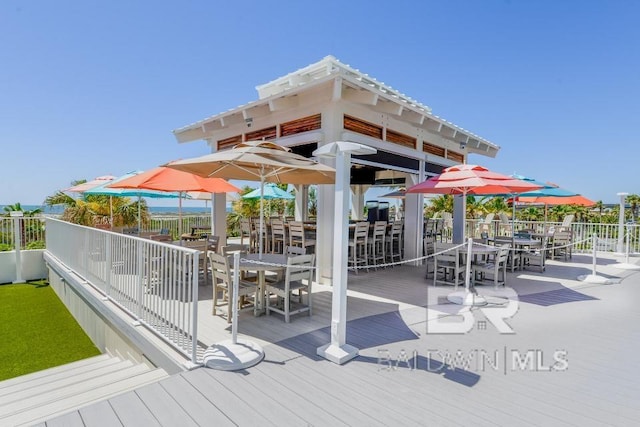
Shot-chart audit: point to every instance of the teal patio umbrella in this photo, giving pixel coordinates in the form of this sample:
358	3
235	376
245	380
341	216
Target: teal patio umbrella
548	190
103	190
271	191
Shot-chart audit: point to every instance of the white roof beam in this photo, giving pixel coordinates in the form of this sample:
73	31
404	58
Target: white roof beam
283	103
337	89
389	108
360	96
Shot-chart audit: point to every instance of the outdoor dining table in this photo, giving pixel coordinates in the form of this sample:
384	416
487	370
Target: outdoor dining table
268	262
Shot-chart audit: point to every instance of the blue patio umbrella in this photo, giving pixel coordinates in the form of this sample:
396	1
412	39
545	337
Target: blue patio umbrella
103	190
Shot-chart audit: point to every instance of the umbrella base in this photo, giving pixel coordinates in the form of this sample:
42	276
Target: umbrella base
466	298
626	266
227	356
596	280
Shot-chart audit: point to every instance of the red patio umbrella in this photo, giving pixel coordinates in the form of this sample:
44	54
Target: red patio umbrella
471	180
81	188
168	179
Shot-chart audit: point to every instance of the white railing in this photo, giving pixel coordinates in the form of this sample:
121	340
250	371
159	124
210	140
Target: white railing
582	231
171	223
32	232
155	283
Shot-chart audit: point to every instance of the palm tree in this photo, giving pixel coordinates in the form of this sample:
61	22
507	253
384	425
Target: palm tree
633	200
442	203
17	207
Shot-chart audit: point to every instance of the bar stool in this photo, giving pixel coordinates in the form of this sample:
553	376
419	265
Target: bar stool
394	242
376	243
278	236
358	245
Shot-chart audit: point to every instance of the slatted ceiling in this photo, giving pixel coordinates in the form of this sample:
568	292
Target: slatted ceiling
457	157
401	139
433	149
229	142
261	134
304	124
362	127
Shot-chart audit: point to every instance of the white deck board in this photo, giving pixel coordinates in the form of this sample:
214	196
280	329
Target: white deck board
596	324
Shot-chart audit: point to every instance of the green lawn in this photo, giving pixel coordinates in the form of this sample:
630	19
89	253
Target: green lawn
37	331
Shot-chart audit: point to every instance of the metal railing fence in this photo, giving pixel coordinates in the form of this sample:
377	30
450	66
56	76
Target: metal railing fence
32	232
154	282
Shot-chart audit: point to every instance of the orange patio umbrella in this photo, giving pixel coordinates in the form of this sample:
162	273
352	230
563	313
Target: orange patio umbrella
168	179
554	200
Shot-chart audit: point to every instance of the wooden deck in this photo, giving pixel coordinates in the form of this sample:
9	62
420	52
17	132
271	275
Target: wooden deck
442	380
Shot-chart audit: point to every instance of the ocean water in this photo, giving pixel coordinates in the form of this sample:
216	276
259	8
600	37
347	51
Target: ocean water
155	210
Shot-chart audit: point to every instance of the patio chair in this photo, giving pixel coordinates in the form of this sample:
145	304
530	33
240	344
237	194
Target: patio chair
515	256
247	231
447	262
536	256
298	276
494	267
222	280
429	248
561	244
278	236
201	246
486	226
213	242
297	235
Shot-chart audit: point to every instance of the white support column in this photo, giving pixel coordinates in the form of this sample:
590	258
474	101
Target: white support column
301	211
357	201
620	248
459	216
219	212
338	351
413	218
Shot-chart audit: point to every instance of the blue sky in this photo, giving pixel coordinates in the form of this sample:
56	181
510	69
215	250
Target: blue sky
95	88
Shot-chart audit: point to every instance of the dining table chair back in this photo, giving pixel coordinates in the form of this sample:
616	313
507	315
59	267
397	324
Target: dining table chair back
222	277
278	236
297	235
496	267
298	277
448	266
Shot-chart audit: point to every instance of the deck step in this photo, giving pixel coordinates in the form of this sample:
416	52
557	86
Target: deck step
42	395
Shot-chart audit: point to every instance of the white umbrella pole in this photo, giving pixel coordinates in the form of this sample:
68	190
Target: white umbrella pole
467	273
139	220
212	215
180	214
111	212
261	215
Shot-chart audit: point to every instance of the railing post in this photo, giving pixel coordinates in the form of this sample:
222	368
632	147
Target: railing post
620	248
194	313
140	279
108	264
17	239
